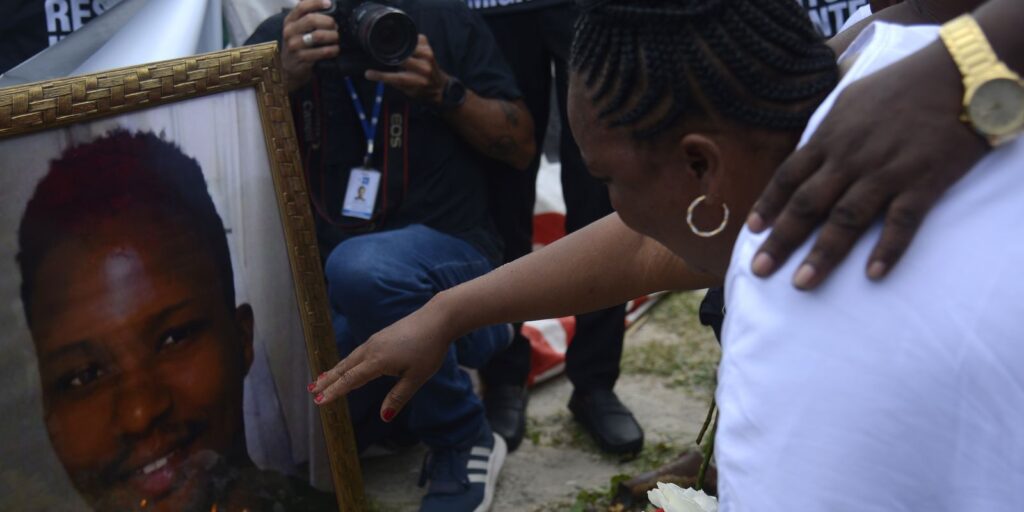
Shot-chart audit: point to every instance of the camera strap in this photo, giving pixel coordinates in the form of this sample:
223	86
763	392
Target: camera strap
396	158
369	124
321	161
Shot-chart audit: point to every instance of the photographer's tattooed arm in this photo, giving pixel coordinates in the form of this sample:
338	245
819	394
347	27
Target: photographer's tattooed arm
500	129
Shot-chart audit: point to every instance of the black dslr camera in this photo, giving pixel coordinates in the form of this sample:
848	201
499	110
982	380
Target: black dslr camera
372	36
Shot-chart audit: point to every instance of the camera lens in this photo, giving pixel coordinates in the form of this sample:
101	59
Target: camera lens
388	35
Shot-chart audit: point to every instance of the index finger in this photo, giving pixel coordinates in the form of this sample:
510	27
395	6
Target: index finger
347	363
345	382
423	48
793	172
305	7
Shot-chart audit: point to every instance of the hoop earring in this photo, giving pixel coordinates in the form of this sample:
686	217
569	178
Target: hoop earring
695	229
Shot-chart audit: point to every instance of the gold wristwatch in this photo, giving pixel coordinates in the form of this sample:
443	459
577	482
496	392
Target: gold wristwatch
993	93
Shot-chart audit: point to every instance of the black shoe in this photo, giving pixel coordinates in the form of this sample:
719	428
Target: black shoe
506	412
608	421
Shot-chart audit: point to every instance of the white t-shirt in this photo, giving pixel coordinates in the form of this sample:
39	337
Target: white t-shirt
858	16
902	395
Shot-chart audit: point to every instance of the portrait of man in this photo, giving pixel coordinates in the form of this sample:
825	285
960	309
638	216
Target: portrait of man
127	289
128	293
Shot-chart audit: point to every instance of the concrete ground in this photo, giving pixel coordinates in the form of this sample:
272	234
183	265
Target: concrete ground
668	375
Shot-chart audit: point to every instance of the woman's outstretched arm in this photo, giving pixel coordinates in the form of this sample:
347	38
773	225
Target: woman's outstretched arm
604	264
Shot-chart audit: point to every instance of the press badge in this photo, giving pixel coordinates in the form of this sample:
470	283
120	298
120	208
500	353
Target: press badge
361	194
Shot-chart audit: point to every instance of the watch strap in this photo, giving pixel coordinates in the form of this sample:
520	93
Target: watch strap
454	94
971	51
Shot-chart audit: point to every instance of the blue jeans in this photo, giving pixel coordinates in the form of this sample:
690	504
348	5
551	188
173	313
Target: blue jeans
376	279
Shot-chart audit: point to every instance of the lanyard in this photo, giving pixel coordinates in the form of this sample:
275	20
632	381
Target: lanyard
369	125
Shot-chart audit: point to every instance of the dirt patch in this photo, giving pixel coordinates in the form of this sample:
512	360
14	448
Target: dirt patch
668	377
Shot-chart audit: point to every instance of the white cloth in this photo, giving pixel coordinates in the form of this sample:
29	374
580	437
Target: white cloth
858	16
161	30
902	395
241	17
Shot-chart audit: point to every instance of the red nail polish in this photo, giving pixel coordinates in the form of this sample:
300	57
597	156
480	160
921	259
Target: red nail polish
388	415
321	376
311	387
319	398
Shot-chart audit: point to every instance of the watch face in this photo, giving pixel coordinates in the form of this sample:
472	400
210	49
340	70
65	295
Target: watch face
997	107
454	95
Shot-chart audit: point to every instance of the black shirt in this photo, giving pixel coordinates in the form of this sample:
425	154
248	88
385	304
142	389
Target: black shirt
444	188
503	6
830	15
28	27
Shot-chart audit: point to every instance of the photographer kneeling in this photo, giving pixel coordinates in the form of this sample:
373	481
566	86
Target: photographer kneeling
393	160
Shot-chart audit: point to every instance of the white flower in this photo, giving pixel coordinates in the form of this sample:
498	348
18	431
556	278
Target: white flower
672	498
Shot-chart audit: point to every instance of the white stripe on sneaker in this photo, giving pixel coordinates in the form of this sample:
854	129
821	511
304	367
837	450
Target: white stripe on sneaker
477	464
495	461
480	451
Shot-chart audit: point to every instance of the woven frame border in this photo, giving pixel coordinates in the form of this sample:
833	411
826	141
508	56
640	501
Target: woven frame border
61	102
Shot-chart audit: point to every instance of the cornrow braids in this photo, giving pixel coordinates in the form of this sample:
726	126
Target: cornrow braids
758	62
614	59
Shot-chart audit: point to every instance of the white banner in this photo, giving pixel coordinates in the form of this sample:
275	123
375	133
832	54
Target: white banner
243	16
161	30
128	32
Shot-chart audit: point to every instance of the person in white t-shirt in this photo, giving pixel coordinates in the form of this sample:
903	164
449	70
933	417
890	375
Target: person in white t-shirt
906	394
900	395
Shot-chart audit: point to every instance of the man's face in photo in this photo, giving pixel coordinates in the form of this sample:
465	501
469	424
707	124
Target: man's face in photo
141	361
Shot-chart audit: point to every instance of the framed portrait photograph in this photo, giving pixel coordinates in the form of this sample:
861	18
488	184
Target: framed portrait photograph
163	298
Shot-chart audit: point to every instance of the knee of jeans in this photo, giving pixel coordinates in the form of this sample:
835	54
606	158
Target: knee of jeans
353	269
366	271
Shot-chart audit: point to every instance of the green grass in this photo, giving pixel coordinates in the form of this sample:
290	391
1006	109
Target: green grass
591	500
671	345
559	430
676	347
375	506
657	454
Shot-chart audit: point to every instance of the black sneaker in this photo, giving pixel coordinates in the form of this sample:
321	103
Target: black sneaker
506	412
463	480
610	422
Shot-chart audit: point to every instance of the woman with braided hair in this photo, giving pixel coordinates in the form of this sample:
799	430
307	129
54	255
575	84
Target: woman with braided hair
904	394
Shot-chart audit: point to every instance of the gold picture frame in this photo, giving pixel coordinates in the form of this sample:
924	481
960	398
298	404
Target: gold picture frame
41	106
